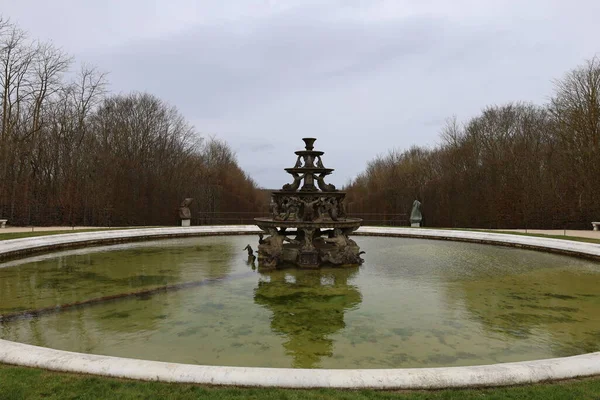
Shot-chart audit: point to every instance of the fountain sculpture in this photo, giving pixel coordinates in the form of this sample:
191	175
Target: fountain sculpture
308	226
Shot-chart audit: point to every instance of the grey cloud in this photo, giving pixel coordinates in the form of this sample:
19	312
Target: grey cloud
261	147
218	71
362	77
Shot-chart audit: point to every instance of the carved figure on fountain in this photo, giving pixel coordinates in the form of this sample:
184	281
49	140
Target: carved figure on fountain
298	162
271	248
274	208
310	210
291	207
292	187
344	250
324	186
329	206
341	208
320	162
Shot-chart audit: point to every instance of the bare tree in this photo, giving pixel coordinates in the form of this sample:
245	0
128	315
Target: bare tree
70	153
576	111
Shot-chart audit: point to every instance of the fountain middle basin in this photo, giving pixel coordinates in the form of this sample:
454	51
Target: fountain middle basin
414	303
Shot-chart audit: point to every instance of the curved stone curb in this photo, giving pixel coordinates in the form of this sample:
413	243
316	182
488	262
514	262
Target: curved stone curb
588	250
17	247
408	378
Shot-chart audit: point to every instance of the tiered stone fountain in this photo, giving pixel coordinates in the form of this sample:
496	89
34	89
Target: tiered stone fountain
308	226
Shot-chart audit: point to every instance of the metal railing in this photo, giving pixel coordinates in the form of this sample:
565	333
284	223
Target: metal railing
226	218
243	218
106	218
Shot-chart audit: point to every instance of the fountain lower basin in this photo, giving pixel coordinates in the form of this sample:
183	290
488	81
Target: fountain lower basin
308	378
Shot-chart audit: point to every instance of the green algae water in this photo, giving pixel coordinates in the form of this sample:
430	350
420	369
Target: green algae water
413	303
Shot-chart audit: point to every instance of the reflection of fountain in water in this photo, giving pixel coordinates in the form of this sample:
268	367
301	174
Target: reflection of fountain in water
308	307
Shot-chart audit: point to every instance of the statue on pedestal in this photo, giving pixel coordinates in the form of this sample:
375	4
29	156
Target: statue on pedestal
415	215
184	212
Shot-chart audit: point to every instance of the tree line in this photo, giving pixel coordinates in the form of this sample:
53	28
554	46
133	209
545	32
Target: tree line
512	166
72	153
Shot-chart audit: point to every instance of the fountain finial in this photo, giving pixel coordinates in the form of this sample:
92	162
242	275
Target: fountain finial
309	143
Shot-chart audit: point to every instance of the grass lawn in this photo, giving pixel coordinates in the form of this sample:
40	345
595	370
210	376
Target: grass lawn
32	383
20	235
29	383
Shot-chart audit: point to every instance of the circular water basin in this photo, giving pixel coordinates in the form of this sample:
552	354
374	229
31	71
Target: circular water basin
413	303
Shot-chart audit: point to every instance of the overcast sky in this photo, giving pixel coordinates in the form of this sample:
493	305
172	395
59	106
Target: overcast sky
361	76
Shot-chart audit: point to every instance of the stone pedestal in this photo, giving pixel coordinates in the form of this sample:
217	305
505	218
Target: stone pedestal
309	259
185	213
415	224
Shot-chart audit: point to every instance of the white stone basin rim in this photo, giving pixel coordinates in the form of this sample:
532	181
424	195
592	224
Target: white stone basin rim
407	378
583	249
17	247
